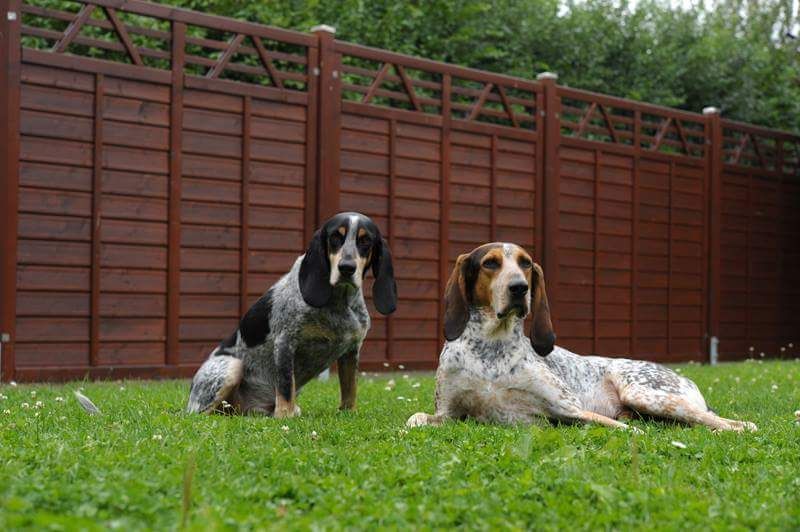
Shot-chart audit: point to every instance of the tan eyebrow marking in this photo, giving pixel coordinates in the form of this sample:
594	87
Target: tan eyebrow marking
342	230
362	232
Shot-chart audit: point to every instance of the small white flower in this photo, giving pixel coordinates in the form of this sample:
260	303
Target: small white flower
14	383
385	364
62	418
716	380
391	384
314	435
405	376
761	354
401	398
6	411
25	405
774	387
797	414
38	404
678	370
3	397
157	437
33	393
710	389
387	388
678	444
791	345
403	432
751	349
59	399
285	428
400	366
416	385
363	373
122	388
225	404
36	414
737	379
753	379
783	349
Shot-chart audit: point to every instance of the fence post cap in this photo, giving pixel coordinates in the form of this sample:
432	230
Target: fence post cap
546	75
323	27
710	110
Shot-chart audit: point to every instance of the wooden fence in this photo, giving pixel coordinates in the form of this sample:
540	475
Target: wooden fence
161	168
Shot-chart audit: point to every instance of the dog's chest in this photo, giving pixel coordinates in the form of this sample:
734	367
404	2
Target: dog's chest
325	336
491	384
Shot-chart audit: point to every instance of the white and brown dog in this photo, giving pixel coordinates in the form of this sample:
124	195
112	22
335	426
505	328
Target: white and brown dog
490	371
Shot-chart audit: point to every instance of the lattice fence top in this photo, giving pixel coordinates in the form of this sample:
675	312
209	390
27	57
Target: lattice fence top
601	118
379	78
143	34
148	35
753	147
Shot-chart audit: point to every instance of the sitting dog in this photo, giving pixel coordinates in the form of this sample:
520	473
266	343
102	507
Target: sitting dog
490	371
314	315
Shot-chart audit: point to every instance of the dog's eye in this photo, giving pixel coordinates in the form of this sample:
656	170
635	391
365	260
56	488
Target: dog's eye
336	239
525	264
364	241
491	264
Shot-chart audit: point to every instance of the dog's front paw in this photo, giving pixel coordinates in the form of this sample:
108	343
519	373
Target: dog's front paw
420	419
287	411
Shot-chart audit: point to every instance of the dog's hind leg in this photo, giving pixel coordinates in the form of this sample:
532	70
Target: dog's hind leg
213	383
666	405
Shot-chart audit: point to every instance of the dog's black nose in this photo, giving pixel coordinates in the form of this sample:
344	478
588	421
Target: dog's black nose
347	268
518	288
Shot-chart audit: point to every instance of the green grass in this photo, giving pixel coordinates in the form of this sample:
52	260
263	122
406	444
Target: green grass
63	469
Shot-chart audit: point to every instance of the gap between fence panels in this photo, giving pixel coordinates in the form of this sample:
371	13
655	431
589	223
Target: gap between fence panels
203	152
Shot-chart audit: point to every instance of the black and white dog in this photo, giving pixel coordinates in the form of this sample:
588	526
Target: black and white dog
314	315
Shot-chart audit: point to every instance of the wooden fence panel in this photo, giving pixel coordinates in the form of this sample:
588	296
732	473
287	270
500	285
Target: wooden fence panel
162	168
759	243
632	227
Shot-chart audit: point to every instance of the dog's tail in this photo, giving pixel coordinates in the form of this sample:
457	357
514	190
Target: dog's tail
86	404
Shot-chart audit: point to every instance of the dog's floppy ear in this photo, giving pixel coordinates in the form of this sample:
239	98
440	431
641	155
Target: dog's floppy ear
456	300
543	339
315	272
384	291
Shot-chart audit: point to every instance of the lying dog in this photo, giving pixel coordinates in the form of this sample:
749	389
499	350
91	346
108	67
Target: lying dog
490	371
314	315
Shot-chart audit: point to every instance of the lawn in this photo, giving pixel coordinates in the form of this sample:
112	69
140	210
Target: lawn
137	464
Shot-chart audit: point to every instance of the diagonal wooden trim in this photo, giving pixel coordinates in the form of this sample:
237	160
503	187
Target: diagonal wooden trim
682	136
586	118
267	62
737	153
661	132
609	123
481	100
507	105
376	83
122	33
408	86
74	28
226	56
757	149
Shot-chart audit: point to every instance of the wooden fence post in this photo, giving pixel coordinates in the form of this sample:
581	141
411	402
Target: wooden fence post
328	122
9	180
714	154
172	357
551	181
